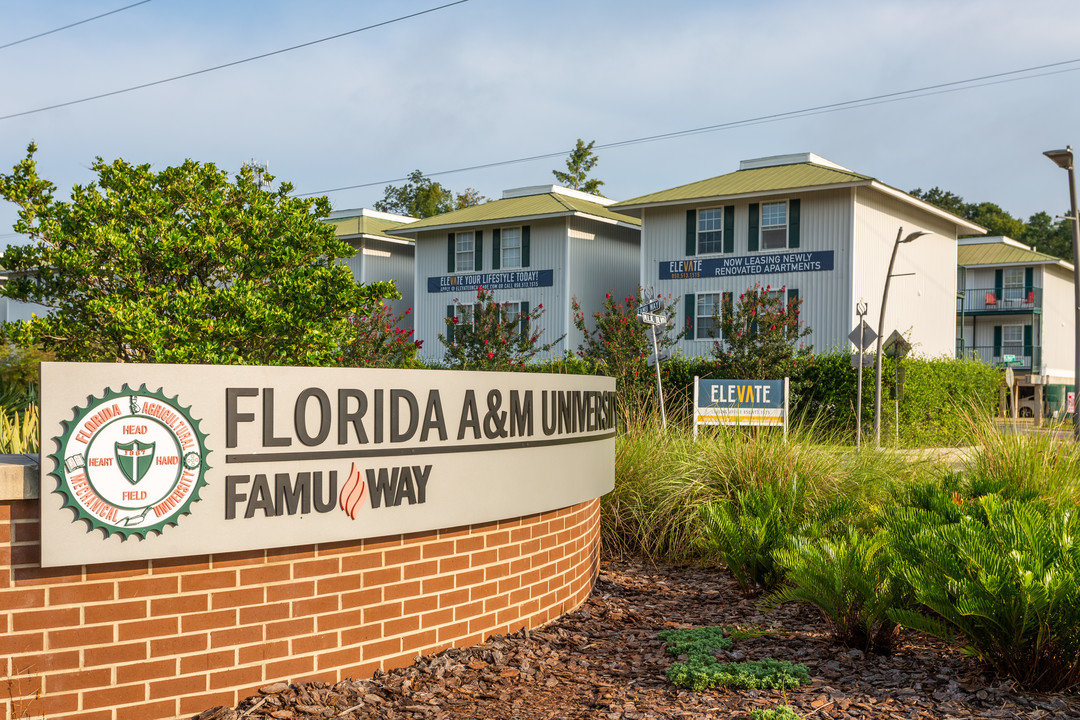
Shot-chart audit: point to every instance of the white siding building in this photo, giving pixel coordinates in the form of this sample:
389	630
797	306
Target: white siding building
379	256
812	228
536	245
1015	307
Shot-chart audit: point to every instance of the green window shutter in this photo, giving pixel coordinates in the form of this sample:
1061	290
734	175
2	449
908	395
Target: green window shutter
755	229
729	229
997	341
691	232
1029	280
525	320
478	251
524	246
793	223
727	307
690	305
450	325
496	249
999	282
1027	341
792	296
451	248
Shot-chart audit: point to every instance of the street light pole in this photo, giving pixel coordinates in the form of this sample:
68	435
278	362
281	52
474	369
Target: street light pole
881	328
1064	160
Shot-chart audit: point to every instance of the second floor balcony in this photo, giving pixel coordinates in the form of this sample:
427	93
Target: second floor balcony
1020	357
978	301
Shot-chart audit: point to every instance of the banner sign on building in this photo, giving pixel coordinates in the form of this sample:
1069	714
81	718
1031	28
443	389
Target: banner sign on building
149	461
757	264
741	402
509	280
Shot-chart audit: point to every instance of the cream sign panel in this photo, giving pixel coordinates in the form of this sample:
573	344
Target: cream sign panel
151	461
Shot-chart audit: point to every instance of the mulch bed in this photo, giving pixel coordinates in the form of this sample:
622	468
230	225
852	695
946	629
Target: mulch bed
604	661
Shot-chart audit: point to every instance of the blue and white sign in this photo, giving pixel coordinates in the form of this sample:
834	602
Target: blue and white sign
758	264
741	402
509	280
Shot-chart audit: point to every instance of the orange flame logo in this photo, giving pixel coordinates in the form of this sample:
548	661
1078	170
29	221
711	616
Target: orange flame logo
352	493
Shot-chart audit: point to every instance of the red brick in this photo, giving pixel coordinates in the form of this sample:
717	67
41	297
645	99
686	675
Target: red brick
236	636
265	574
180	605
338	620
82	636
189	642
290	628
113	654
419	640
382	543
21	599
454	598
237	598
117	570
313	643
140	672
46	706
482	624
289	669
263	613
508	552
467	611
290	554
382	576
361	598
437	617
242	558
313	568
113	696
155	627
234	677
420	569
196	704
401	556
208	621
401	626
176	687
363	561
472	577
469	544
453	632
192	564
498	538
498	602
437	584
11	644
338	584
146	587
360	634
208	580
82	593
315	606
290	591
161	708
43	619
79	680
484	557
333	660
382	648
417	605
377	613
482	592
206	661
24	554
401	590
114	612
438	549
51	661
262	652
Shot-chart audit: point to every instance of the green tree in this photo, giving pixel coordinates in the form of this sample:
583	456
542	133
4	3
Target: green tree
488	335
761	336
181	265
578	164
1048	236
422	197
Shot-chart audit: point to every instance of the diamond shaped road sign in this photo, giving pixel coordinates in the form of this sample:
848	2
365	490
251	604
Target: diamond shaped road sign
868	336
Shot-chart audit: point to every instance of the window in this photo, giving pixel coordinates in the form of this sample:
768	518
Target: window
706	326
1013	283
510	248
710	234
774	230
464	252
1012	340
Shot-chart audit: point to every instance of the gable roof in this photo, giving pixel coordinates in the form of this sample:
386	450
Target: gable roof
366	223
783	173
556	202
999	250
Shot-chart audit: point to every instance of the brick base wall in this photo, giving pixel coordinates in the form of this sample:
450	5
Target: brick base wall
166	638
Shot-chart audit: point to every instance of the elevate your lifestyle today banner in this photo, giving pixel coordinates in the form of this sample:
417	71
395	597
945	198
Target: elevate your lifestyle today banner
147	461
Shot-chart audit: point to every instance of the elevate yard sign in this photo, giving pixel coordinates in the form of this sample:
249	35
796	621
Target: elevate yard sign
148	461
741	402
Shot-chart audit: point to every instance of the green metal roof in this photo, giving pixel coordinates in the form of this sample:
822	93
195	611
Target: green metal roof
545	204
1000	253
757	180
364	225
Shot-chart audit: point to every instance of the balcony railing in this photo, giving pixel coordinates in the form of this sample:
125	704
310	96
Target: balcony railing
1024	357
1003	300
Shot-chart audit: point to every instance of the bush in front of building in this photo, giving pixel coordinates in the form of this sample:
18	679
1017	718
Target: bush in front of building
491	336
380	341
761	335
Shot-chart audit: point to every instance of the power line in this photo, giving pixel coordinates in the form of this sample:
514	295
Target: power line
926	91
230	64
71	25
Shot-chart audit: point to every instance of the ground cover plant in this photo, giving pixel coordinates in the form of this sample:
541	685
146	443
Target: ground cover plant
701	670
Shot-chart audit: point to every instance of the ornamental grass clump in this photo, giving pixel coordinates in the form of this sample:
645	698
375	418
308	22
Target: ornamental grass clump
1023	467
1005	577
850	580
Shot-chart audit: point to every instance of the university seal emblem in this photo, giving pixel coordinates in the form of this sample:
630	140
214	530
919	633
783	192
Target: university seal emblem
131	462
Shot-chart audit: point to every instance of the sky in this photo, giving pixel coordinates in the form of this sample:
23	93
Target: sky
490	81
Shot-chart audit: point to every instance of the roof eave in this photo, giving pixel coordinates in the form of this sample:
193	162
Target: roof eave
739	196
409	230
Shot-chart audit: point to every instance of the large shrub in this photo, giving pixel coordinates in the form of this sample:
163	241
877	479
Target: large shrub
492	336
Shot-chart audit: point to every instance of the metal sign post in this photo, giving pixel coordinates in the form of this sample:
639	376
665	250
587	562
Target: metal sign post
897	348
647	314
863	337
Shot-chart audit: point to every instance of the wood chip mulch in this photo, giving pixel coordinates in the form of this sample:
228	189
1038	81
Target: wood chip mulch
604	661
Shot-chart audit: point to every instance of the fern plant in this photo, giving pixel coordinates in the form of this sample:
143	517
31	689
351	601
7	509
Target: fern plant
1006	577
849	579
